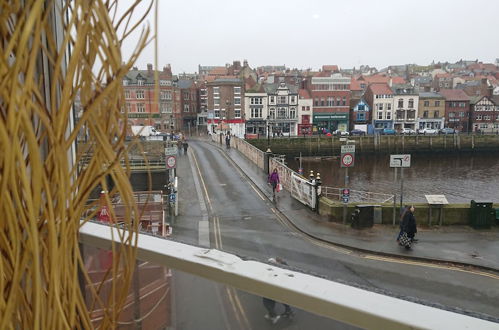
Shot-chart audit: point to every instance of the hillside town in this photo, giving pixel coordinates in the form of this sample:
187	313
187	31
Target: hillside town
276	100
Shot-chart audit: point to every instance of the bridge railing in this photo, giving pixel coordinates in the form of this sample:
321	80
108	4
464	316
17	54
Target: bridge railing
357	196
135	164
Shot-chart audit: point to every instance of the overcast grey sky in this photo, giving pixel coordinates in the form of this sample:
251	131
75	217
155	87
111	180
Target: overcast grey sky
310	33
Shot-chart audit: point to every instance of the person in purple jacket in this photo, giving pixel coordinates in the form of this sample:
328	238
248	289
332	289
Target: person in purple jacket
273	180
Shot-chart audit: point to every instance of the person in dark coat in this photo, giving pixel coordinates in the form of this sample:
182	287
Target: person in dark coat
186	145
269	304
409	224
406	209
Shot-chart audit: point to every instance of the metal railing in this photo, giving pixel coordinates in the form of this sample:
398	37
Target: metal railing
135	164
357	196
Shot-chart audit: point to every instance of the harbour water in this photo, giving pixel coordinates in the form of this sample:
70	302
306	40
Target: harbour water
460	177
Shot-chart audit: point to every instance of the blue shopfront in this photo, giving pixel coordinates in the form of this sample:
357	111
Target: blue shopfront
381	124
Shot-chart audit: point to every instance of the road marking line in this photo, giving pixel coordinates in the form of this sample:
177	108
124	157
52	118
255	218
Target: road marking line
202	182
258	193
429	265
241	309
203	225
234	308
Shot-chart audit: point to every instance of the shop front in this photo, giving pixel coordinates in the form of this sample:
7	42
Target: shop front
257	128
379	125
331	121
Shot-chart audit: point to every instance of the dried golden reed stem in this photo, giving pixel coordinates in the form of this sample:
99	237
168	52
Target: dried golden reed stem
53	52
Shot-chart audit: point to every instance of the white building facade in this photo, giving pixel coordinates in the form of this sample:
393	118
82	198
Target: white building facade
283	108
406	103
256	112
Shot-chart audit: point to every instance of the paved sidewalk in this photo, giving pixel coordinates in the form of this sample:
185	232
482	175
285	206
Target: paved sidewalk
457	244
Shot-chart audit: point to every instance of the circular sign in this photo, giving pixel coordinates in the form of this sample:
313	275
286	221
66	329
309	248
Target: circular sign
347	160
171	161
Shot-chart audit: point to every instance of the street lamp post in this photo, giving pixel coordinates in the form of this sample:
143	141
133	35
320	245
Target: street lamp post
268	132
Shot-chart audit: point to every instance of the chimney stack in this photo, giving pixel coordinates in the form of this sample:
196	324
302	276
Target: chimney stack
149	67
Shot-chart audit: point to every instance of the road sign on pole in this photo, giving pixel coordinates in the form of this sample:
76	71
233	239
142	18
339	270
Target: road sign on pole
348	148
171	162
400	160
171	151
345	195
347	159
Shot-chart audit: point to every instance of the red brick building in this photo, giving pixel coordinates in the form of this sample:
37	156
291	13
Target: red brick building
331	96
144	107
189	103
225	104
457	109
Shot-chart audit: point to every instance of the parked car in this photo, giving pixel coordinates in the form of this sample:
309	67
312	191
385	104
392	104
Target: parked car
357	132
448	130
388	131
341	133
407	131
427	131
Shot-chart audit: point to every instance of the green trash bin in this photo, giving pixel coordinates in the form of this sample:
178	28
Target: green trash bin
497	217
482	215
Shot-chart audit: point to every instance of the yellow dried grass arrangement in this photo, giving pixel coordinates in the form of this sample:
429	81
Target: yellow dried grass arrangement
51	52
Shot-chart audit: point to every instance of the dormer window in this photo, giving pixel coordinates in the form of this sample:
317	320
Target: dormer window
140	82
125	82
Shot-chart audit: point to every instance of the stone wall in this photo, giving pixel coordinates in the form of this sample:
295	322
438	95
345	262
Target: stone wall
453	214
329	146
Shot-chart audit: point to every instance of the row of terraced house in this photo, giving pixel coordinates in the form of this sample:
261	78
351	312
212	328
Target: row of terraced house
275	100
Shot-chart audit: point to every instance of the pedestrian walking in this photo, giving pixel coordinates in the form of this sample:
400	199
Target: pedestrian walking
409	228
227	140
269	304
186	145
406	209
179	146
273	180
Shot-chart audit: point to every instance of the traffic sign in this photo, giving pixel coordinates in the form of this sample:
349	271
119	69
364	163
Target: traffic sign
400	160
345	195
172	198
347	159
348	148
170	151
171	162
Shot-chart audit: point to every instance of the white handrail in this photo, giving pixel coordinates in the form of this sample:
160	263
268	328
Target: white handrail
337	301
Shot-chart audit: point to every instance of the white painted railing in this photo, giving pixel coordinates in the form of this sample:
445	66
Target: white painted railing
337	301
251	152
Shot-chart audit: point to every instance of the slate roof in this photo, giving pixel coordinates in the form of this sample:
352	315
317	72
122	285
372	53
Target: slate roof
184	83
272	88
423	79
134	75
430	95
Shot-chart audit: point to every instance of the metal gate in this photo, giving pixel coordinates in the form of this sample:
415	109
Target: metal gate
303	190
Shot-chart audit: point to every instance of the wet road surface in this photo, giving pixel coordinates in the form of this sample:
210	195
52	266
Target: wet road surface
242	221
